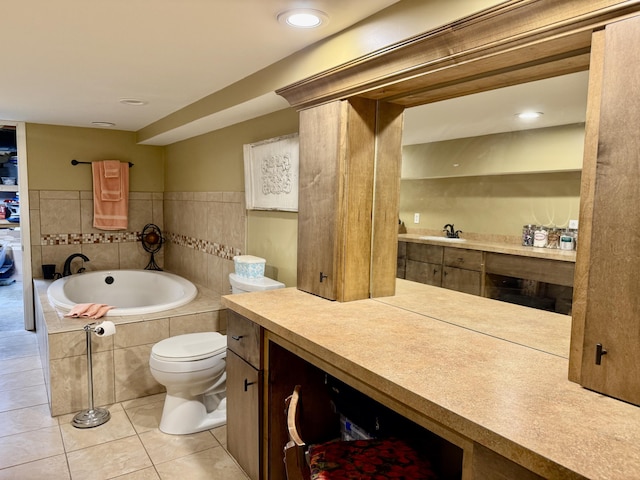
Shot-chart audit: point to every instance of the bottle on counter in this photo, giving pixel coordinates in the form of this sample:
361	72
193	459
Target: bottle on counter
540	237
566	240
528	232
553	238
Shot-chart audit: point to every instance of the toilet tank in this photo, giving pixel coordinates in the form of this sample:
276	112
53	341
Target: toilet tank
245	284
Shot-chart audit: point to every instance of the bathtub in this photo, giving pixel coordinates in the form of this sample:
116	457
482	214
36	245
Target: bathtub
131	292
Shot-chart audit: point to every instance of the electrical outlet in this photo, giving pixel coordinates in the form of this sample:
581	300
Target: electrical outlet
416	218
573	223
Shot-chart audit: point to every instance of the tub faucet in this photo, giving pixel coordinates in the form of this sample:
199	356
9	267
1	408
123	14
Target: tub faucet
451	232
66	271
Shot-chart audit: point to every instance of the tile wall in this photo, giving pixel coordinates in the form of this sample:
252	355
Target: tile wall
202	230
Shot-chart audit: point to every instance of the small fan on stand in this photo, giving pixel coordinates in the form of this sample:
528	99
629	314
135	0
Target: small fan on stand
152	240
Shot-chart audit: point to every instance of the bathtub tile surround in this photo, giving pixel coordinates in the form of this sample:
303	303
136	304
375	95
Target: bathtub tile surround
121	361
203	232
62	224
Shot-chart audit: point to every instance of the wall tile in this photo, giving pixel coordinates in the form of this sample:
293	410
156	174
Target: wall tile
141	333
199	322
101	256
133	377
59	216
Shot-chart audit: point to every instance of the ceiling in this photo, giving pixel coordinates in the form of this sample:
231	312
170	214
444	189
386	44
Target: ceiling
70	62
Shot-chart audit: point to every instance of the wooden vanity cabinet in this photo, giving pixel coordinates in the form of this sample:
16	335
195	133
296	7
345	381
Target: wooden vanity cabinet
244	392
342	254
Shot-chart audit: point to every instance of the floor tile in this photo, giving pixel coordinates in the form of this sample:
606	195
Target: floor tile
30	446
27	378
136	402
146	417
54	468
109	460
20	364
221	435
25	420
117	427
145	474
23	397
211	464
15	347
163	447
68	418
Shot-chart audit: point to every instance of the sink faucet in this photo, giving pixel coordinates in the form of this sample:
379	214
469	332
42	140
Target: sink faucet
66	271
451	232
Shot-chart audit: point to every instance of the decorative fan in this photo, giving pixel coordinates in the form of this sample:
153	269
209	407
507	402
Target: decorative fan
152	240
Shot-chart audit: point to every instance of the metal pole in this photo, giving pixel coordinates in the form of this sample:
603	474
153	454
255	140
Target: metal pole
92	417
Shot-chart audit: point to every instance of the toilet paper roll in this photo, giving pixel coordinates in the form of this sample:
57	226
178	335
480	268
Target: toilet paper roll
104	329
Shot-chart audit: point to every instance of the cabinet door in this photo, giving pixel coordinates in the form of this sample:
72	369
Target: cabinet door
608	263
243	414
429	273
461	280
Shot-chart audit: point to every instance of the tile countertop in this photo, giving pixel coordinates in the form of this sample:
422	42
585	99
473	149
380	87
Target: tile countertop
469	364
510	249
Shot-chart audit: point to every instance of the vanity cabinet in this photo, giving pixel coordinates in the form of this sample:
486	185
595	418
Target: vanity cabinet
424	263
244	392
605	352
342	254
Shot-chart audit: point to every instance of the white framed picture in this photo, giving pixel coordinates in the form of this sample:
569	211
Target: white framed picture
271	170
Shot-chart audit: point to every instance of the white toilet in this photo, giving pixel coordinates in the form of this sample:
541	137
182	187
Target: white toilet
192	368
240	284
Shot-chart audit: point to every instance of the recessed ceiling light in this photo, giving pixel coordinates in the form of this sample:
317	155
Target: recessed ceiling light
103	124
529	115
133	102
303	18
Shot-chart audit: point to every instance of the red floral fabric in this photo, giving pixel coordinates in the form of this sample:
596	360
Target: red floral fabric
368	460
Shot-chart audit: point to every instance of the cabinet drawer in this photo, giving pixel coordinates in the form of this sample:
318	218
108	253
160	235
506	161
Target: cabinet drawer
421	252
429	273
244	338
462	258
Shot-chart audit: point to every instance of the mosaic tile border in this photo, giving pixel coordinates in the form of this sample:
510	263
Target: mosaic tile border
212	248
88	238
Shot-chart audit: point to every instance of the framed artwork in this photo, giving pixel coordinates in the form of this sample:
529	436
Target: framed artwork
271	170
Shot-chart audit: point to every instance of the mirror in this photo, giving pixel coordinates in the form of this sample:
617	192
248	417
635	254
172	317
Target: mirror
472	162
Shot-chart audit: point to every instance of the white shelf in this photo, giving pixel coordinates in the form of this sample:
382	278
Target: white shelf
8	188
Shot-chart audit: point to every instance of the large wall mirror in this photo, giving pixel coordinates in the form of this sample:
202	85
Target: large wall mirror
473	162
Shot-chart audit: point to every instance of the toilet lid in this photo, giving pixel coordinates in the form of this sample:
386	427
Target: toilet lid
190	347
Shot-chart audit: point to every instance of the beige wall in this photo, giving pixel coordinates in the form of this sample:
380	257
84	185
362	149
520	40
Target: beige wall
205	183
50	149
501	183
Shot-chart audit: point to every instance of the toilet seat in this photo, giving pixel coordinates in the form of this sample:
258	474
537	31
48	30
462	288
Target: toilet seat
190	347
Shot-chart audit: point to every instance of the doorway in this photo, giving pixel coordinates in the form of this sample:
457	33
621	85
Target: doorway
16	291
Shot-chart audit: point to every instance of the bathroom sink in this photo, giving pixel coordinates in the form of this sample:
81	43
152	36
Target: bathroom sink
443	239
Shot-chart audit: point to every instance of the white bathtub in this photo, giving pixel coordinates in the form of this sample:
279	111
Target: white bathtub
131	292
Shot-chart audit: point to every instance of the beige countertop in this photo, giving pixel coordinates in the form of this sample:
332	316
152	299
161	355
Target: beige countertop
494	247
493	372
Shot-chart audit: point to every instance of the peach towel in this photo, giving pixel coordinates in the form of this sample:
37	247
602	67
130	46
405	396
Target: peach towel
89	310
110	195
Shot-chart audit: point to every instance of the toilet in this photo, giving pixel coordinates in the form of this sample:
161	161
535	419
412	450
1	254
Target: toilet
192	368
240	284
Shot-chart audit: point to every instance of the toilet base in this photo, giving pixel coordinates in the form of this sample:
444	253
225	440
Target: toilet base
184	415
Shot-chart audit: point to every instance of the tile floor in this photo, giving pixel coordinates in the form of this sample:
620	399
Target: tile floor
129	446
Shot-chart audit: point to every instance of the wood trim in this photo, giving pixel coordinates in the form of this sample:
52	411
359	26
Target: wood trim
541	31
587	194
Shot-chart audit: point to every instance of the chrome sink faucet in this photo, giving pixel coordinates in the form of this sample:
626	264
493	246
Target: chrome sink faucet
451	232
66	271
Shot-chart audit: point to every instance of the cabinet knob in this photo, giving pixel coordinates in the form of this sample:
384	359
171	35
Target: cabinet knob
600	351
322	276
247	383
237	337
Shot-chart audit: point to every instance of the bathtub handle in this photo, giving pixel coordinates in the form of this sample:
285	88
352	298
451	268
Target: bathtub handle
247	383
237	337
